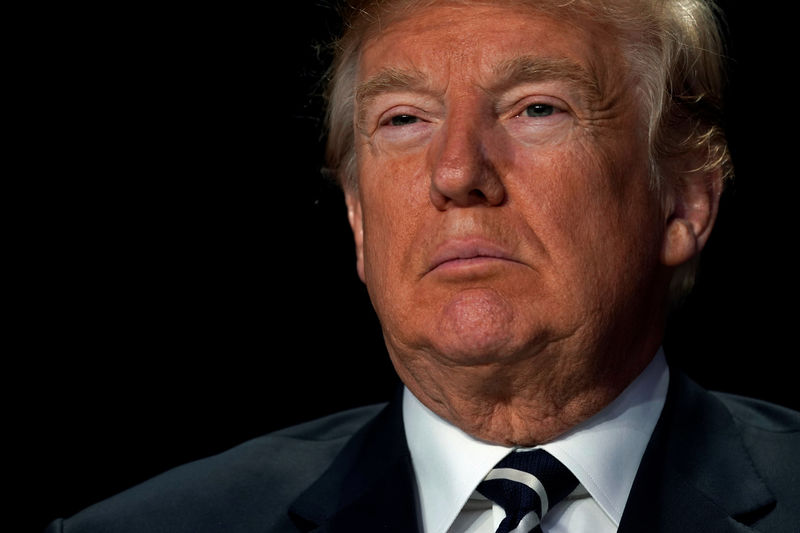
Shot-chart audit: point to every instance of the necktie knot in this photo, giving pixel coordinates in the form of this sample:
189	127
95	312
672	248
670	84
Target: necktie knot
526	484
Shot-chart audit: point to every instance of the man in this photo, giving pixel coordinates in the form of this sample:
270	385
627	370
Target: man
528	183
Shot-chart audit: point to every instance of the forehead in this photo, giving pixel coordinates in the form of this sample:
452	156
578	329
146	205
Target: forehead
479	38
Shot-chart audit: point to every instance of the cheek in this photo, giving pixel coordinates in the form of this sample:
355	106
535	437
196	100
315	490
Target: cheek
594	217
559	192
394	197
589	188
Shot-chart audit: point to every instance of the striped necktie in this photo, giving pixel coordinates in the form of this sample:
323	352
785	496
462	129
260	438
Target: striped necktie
526	484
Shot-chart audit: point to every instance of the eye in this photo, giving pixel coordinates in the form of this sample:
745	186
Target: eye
539	110
402	126
402	120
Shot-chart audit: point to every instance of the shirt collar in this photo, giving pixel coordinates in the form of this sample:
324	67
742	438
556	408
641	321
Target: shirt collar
448	463
603	452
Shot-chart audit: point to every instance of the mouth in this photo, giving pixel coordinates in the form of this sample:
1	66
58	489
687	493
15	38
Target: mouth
456	255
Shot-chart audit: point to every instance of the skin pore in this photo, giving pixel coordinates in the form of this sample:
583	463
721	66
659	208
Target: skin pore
505	228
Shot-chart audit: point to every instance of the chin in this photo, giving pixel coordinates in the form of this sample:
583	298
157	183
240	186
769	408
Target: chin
476	350
475	326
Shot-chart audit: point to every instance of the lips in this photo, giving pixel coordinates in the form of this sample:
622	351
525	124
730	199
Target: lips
466	252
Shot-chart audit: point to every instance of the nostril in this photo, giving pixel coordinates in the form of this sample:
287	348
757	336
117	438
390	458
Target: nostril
478	194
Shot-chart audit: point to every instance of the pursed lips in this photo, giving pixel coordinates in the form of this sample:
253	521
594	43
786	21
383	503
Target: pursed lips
454	253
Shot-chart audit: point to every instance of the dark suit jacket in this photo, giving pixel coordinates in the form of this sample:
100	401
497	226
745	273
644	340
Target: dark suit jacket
715	463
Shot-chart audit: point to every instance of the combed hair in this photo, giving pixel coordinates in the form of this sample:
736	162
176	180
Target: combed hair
674	49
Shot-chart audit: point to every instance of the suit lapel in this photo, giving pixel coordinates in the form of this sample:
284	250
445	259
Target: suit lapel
370	485
696	474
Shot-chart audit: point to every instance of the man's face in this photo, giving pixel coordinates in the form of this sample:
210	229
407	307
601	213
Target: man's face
504	206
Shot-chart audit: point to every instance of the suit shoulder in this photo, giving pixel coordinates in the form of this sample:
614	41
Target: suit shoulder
335	426
771	435
246	488
760	415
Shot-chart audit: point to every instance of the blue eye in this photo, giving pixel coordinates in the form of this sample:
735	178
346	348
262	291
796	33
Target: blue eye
402	120
539	110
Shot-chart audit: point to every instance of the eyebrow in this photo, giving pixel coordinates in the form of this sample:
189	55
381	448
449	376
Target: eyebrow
387	81
531	69
391	80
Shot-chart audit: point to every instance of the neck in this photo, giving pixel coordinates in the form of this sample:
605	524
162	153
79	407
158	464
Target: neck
528	402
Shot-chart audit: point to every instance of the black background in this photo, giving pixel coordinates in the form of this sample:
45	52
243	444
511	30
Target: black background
184	279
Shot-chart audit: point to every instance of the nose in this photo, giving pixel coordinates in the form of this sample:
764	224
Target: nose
463	173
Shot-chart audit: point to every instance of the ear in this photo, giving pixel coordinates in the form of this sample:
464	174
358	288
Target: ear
692	210
356	219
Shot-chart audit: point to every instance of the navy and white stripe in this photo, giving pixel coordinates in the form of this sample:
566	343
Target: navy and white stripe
527	484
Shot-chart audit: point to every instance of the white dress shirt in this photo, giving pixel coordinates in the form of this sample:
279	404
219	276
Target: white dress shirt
603	452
